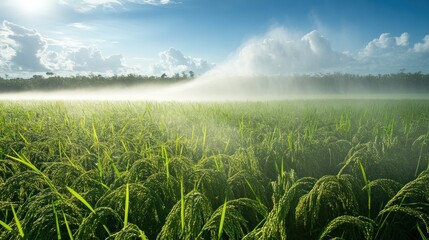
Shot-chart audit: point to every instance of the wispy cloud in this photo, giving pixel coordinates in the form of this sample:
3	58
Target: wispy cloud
80	26
88	5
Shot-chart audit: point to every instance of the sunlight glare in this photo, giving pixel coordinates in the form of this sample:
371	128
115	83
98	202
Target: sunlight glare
34	7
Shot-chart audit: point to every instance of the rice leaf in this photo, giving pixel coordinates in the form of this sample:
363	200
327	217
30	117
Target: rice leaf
68	227
182	206
17	222
127	204
222	220
80	198
5	225
57	225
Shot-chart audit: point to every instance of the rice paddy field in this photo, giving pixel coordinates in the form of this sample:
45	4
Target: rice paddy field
307	169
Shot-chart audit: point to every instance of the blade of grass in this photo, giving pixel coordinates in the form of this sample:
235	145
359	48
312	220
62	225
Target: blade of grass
80	198
68	227
22	159
17	222
142	235
182	205
57	224
23	138
422	235
164	155
127	204
94	134
5	225
222	220
368	188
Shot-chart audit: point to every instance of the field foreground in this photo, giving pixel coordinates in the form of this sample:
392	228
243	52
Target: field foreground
265	170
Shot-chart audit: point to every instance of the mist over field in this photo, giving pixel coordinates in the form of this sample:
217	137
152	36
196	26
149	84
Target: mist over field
277	65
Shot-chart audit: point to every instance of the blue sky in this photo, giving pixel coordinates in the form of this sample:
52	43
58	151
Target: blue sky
156	36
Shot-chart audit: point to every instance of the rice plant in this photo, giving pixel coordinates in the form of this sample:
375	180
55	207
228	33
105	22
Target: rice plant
255	170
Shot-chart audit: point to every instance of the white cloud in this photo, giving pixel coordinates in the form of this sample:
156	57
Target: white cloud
403	39
26	50
390	54
88	5
152	2
80	26
173	61
378	45
23	47
57	61
90	59
278	52
422	47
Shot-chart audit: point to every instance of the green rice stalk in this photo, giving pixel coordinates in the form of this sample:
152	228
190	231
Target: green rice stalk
384	222
253	191
94	134
422	235
368	188
23	138
226	145
204	137
142	235
68	227
127	204
57	224
124	145
164	155
22	159
80	198
222	220
182	205
5	225
17	222
62	152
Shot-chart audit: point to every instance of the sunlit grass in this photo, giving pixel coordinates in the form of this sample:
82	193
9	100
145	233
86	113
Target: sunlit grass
261	170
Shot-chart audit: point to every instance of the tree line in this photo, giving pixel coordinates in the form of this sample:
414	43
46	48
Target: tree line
55	82
324	83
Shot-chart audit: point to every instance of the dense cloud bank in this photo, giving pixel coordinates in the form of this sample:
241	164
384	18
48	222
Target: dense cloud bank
280	53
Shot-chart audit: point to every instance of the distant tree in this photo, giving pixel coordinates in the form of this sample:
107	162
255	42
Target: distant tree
184	75
163	75
49	73
191	74
176	76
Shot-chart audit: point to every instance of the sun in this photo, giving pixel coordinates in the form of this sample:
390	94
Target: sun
34	7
